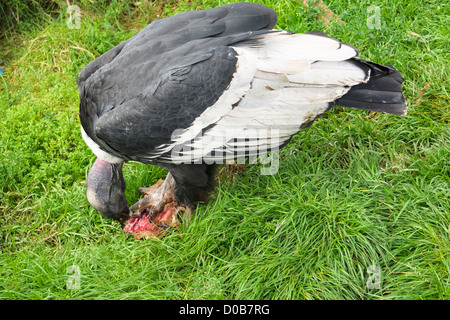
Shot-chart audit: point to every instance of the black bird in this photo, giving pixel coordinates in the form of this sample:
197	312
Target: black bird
201	87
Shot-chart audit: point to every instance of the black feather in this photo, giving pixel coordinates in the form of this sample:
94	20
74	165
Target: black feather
382	93
124	106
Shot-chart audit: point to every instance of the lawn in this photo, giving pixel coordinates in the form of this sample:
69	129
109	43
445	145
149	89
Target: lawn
359	208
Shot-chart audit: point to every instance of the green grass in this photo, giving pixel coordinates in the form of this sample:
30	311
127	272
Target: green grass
351	192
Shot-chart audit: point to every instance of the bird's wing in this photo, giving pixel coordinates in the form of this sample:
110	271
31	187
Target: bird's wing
282	83
164	77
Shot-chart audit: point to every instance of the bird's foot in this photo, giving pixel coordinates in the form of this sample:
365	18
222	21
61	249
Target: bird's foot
158	211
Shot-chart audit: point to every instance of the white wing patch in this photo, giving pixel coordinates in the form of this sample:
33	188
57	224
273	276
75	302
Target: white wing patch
282	81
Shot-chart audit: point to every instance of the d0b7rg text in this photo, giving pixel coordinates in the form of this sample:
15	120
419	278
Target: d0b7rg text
245	309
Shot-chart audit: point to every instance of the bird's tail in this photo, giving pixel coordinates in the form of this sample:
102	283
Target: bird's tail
381	93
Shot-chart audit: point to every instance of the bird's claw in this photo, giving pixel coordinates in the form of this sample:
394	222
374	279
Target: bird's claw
156	211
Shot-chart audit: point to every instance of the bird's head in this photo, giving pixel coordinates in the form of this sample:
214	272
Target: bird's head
106	190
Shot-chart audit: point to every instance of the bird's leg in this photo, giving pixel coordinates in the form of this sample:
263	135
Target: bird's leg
160	209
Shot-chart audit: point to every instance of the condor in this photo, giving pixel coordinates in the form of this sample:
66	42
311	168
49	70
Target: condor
189	91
